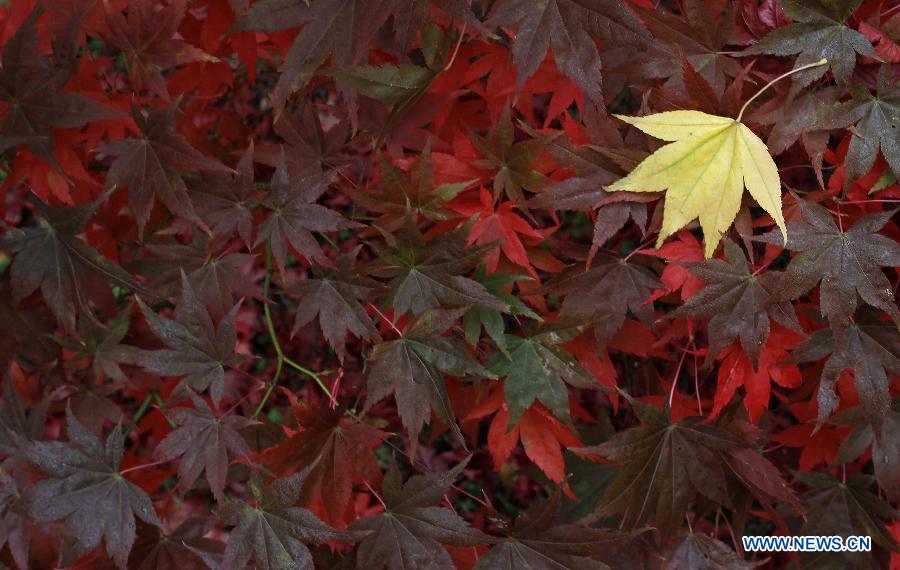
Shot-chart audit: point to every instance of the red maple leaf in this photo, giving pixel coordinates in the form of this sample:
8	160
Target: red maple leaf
501	225
342	446
542	435
736	370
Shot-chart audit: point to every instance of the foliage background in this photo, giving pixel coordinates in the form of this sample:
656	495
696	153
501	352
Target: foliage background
264	261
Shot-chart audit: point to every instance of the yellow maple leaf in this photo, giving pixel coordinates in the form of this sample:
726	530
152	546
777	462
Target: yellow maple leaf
704	168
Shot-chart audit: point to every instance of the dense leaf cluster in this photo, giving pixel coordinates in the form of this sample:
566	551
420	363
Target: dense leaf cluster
372	283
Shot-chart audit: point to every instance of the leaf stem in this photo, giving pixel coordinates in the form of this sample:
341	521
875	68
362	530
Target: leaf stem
822	61
145	405
144	466
281	358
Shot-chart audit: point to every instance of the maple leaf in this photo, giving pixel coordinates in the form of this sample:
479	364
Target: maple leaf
403	195
410	531
341	29
512	160
868	347
84	487
29	331
411	16
18	426
602	295
294	215
700	35
737	303
664	464
884	39
333	296
155	550
274	532
308	143
536	540
844	263
196	348
875	120
224	201
413	367
737	369
151	165
101	345
845	508
885	452
217	278
541	434
569	26
535	368
428	275
203	441
701	551
704	169
342	452
146	36
492	320
397	84
51	257
32	84
13	525
500	228
595	165
803	118
818	32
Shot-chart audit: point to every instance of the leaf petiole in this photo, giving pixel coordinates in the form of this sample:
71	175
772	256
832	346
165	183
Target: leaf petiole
281	358
822	61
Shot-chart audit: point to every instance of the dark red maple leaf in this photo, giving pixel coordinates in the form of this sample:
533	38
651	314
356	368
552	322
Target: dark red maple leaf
664	464
410	531
100	344
412	194
203	441
308	143
197	349
151	164
601	296
426	275
413	366
13	524
156	549
511	160
537	539
224	201
51	257
32	85
738	303
334	296
294	215
145	34
870	347
219	279
846	264
85	487
274	531
569	26
19	426
340	448
700	35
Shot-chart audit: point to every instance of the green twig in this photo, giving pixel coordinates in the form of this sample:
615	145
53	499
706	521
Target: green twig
281	358
145	405
162	404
